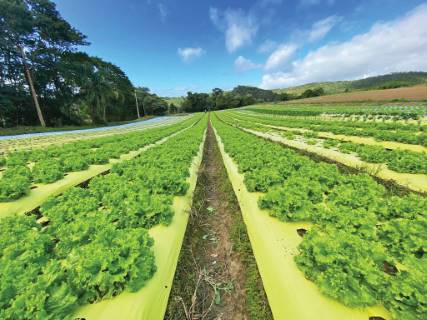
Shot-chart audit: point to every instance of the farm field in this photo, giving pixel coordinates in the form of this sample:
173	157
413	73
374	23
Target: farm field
222	160
30	176
21	130
365	111
58	265
42	139
415	93
96	228
298	207
390	160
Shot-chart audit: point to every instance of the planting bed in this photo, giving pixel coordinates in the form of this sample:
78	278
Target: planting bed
361	244
328	229
94	243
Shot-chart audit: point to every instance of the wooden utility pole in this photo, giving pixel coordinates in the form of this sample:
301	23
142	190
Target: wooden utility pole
30	83
143	109
137	106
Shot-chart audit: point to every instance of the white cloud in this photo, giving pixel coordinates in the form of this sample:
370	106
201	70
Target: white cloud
189	54
280	56
322	27
242	64
163	11
398	45
239	27
267	46
214	15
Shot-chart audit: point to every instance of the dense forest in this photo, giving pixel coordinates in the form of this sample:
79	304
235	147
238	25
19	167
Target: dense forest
151	104
238	97
219	99
45	80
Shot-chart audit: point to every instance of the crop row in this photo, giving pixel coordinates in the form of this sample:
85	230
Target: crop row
366	246
51	164
397	160
400	112
394	126
382	132
92	243
390	126
404	161
30	142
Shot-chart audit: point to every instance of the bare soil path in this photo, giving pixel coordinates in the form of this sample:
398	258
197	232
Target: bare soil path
217	277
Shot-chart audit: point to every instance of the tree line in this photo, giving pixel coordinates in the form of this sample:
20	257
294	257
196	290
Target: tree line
216	100
45	80
238	97
247	95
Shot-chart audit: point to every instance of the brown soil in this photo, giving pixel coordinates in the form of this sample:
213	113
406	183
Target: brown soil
211	278
408	93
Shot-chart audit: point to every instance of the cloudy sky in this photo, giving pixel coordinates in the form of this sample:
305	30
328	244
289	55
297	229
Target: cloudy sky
178	46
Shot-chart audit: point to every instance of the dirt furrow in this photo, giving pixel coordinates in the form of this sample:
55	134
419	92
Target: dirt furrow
217	277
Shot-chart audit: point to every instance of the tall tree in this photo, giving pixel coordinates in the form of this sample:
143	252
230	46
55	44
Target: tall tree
29	29
102	86
151	103
196	102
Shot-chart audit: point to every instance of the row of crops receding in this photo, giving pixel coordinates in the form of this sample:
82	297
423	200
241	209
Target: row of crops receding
22	169
366	245
93	243
403	161
398	132
363	243
397	112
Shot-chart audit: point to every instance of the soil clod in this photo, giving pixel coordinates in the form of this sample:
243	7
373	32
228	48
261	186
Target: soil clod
301	232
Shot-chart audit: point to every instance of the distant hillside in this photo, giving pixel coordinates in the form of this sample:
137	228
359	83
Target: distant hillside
388	81
329	87
259	95
414	93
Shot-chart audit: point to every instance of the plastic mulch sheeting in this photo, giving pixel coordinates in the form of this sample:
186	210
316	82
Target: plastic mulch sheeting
356	139
40	194
151	301
415	182
78	131
274	243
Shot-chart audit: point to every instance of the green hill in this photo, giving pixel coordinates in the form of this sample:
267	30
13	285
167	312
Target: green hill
329	87
388	81
257	94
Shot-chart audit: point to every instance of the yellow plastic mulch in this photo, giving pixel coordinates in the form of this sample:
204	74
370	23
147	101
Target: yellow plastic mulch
415	182
356	139
151	301
291	296
43	191
7	146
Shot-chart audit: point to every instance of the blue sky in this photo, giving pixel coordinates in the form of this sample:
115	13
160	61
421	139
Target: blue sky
176	46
